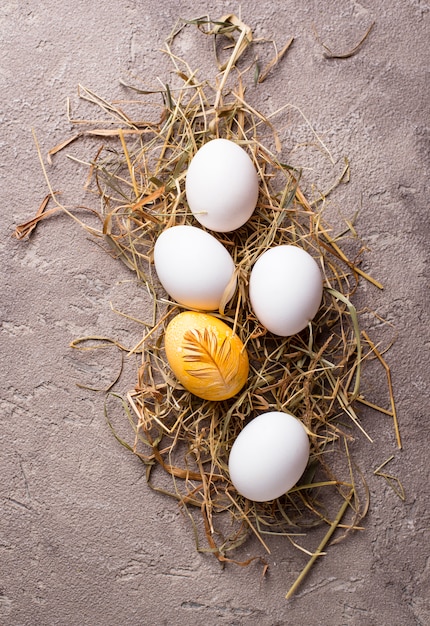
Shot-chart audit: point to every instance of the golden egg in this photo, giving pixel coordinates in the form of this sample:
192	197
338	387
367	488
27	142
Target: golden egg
205	356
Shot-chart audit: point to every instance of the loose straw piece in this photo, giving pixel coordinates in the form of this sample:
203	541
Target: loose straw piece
320	548
329	54
390	387
230	64
129	165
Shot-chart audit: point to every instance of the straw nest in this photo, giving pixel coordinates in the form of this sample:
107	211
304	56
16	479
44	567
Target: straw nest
139	174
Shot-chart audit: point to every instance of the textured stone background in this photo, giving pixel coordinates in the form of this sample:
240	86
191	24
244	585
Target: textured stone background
82	539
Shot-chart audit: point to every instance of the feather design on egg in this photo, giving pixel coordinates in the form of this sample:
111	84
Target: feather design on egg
205	356
216	358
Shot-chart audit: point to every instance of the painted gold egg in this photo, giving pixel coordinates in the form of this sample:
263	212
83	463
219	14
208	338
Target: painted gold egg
207	358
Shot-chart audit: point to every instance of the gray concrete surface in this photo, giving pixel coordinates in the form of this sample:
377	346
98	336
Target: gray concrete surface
82	538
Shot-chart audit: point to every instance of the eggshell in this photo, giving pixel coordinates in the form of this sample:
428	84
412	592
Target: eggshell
222	185
194	268
269	456
285	289
205	356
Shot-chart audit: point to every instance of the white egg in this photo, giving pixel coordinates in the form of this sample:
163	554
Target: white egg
221	185
194	268
269	456
285	289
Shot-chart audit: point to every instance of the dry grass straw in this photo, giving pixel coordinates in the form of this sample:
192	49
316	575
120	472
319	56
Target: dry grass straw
138	174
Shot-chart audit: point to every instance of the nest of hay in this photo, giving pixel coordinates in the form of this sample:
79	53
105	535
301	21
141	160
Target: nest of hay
139	174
